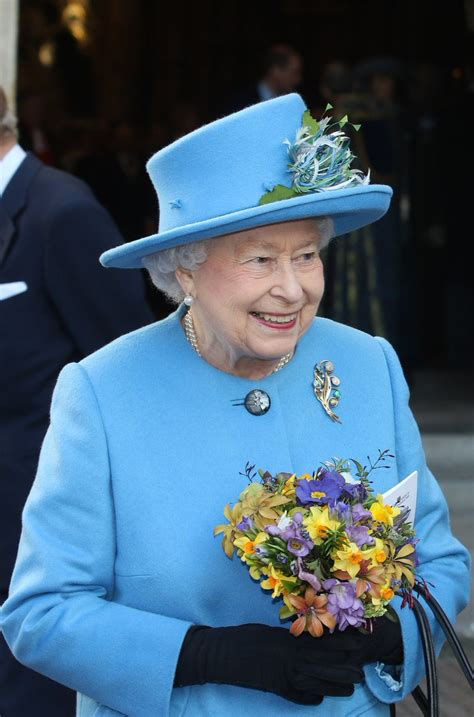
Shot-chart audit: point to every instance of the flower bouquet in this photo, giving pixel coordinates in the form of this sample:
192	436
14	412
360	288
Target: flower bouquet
324	543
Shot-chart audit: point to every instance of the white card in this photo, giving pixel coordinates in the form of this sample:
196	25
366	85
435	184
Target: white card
404	495
12	288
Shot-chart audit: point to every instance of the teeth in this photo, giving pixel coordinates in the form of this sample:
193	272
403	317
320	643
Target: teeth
276	319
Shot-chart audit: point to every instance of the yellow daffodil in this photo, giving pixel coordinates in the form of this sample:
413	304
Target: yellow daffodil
383	512
349	559
379	554
274	581
386	594
289	488
255	571
248	545
318	523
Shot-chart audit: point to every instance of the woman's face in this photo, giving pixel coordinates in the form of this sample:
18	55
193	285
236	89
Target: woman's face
256	294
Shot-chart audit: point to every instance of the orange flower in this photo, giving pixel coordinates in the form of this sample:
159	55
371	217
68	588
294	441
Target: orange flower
312	613
369	579
387	594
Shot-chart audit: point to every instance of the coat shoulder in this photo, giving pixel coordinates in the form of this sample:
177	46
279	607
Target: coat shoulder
49	178
356	351
134	351
343	337
54	193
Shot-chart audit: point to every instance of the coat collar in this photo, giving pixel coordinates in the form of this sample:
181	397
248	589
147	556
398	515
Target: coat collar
14	200
14	197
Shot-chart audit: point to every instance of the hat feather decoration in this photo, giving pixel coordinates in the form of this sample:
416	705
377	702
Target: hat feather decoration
318	161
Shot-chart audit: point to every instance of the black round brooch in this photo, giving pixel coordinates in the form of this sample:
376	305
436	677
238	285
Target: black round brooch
257	402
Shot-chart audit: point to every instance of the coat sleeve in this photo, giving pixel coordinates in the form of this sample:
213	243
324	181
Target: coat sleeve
60	617
444	561
95	305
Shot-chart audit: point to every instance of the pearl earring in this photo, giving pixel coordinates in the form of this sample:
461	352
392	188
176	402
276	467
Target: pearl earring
188	299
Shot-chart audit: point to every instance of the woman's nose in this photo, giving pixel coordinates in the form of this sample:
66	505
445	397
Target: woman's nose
287	284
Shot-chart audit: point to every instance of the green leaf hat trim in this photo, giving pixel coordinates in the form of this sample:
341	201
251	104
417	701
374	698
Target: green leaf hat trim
319	159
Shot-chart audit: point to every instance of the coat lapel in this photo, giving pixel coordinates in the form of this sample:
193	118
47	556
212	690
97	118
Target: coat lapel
7	230
14	200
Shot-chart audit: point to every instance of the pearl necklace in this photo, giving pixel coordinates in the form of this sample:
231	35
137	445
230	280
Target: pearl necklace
192	338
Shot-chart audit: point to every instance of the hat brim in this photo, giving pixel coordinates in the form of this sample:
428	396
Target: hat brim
350	209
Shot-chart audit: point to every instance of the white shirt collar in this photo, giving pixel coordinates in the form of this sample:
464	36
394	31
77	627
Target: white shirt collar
264	91
9	164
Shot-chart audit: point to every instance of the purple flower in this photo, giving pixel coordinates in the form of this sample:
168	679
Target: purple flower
299	546
340	510
401	517
343	604
359	513
297	519
356	491
359	534
308	577
414	556
298	541
321	490
246	523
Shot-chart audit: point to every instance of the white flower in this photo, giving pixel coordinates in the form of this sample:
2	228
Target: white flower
284	521
349	478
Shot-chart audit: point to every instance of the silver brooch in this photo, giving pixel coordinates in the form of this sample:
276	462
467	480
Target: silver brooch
325	387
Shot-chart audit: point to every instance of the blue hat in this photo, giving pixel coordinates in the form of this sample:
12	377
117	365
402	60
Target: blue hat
268	163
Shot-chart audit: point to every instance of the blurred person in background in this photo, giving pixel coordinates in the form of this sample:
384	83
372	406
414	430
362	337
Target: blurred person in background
459	287
53	309
364	270
437	207
183	118
281	73
335	85
33	127
112	166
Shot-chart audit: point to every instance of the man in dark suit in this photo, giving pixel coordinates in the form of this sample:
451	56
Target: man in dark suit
57	304
280	73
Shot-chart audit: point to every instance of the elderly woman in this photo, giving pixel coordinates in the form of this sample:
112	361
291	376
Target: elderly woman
120	590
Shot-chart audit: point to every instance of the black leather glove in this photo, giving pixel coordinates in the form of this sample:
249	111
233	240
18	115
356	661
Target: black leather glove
384	644
267	658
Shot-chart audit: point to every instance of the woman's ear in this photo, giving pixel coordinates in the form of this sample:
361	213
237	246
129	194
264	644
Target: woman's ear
185	279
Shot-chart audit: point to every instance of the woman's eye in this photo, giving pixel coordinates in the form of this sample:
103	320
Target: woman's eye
261	259
308	256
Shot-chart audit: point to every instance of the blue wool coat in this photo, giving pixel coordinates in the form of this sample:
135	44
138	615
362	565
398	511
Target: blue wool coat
117	556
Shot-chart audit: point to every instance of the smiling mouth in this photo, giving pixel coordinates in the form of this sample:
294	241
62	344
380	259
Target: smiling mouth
279	319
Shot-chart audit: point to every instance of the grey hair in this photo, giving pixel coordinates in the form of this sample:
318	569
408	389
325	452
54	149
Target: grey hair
8	120
162	265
